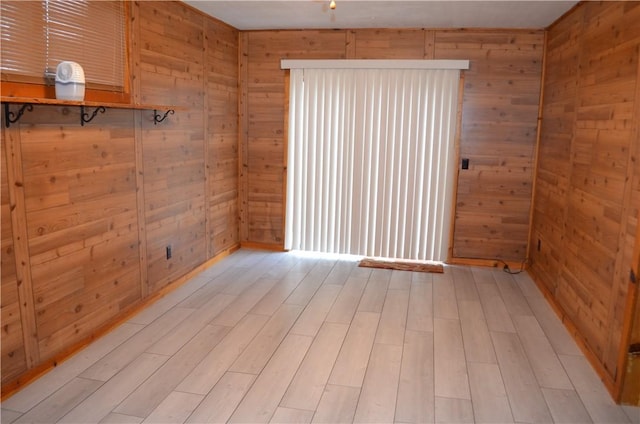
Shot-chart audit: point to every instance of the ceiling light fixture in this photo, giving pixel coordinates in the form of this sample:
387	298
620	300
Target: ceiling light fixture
332	5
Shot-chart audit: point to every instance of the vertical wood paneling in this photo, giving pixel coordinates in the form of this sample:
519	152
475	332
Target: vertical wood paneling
20	232
205	130
134	60
429	44
498	134
350	48
390	43
80	196
13	353
243	134
629	314
626	16
222	136
630	390
587	195
172	72
554	155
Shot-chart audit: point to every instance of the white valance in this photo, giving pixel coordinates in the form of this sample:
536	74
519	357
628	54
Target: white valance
372	64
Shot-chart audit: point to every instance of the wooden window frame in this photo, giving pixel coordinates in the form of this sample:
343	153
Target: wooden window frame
94	92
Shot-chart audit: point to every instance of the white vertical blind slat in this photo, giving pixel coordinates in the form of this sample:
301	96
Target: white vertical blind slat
370	161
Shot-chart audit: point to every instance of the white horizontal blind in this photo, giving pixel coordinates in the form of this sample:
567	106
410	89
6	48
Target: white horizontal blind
22	35
91	33
37	35
371	161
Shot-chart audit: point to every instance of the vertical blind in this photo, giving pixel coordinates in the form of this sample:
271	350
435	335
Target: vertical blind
37	35
371	161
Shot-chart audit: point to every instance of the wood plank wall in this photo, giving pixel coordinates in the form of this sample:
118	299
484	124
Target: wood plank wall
13	357
222	130
80	201
172	55
499	121
629	382
588	178
93	207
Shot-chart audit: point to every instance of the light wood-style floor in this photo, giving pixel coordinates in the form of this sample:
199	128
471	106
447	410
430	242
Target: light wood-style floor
275	337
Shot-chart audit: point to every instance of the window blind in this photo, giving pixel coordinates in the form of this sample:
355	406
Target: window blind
37	35
22	35
371	161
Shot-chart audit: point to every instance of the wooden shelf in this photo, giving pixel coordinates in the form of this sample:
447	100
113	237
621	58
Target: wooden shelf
28	102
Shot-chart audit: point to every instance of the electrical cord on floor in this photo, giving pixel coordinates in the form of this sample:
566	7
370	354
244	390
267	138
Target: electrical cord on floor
506	268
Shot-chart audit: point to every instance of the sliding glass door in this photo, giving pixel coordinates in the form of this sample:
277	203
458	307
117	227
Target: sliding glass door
371	161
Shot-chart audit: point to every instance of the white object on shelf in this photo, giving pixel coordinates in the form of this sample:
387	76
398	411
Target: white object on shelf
70	81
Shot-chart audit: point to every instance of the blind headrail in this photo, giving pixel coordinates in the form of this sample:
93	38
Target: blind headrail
372	64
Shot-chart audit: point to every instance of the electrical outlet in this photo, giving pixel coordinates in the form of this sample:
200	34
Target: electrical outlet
465	163
169	252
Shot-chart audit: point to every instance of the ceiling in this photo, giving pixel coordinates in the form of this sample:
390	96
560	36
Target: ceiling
307	14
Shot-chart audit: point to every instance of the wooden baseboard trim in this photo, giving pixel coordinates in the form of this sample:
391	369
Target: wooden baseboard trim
492	263
608	381
39	370
262	246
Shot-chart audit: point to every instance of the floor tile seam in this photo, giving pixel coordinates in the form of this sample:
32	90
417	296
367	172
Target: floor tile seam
355	310
512	316
342	347
284	302
169	358
152	343
404	336
78	374
102	383
399	374
274	350
311	300
314	338
280	281
484	312
144	381
464	350
284	392
541	385
216	290
160	365
497	362
575	389
297	409
225	338
529	363
244	395
555	316
248	312
208	324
